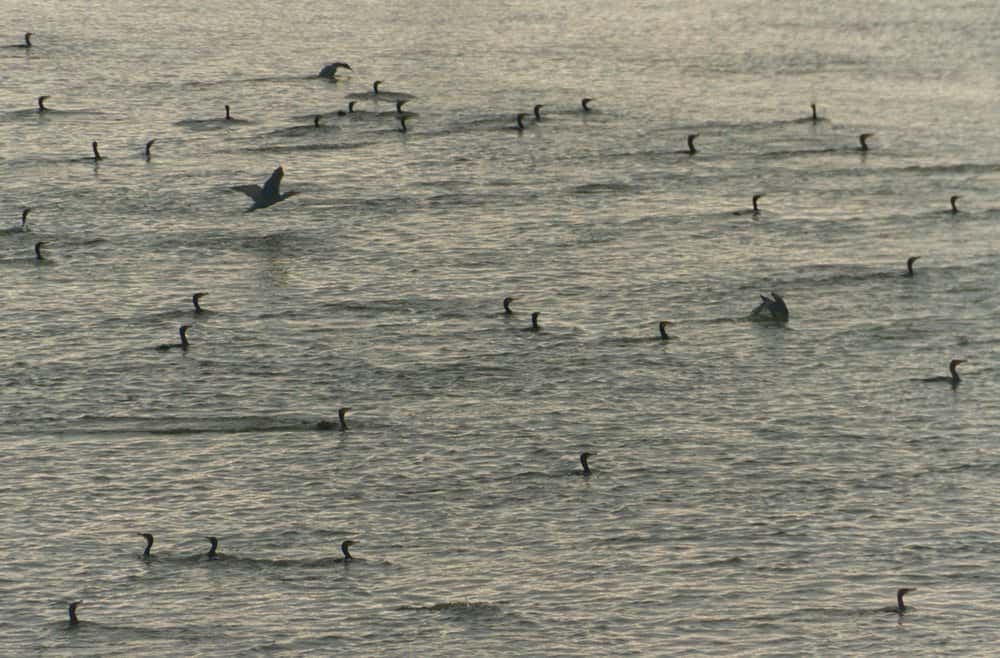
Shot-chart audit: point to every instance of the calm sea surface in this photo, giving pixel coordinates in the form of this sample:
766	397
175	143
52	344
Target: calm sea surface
758	489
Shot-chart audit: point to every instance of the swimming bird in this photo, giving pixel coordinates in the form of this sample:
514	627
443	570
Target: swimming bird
691	150
22	227
953	369
953	379
38	250
506	305
269	194
229	117
194	300
212	555
341	417
149	542
97	154
520	121
350	109
584	456
585	104
755	211
815	117
149	145
534	322
41	104
27	41
375	87
909	265
663	329
330	70
775	308
184	340
863	138
953	199
538	112
345	549
73	621
900	606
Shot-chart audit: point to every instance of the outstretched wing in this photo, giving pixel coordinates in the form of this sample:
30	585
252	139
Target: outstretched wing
252	191
273	184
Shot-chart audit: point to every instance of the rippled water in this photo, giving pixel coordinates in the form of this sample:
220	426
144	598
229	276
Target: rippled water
757	488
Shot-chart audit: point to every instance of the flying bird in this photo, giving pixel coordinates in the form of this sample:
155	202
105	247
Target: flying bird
268	195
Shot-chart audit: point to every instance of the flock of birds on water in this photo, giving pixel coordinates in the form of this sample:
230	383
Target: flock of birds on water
770	309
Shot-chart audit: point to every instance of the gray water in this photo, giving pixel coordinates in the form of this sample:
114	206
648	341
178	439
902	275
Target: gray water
758	489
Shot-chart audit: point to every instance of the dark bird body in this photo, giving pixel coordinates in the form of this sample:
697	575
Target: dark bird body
268	195
181	345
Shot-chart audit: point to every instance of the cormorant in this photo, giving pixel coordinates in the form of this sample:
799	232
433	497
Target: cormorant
330	70
375	86
506	305
184	340
149	542
149	145
316	121
775	307
909	265
755	210
585	104
583	460
344	548
24	219
863	138
350	109
534	322
194	300
538	112
269	194
27	41
341	416
953	369
520	121
229	117
41	104
900	606
953	199
73	621
815	117
38	250
212	555
691	150
663	329
97	155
